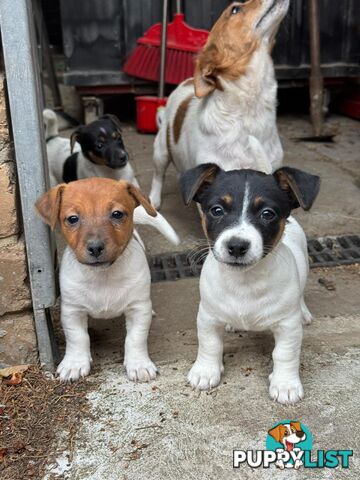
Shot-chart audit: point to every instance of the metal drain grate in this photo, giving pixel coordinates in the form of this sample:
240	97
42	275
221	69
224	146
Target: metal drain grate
324	252
333	251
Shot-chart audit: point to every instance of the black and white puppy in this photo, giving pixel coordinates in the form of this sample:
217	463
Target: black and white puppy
255	273
94	150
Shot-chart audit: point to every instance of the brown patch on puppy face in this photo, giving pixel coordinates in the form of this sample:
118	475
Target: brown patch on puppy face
258	201
277	238
95	159
228	199
180	117
229	48
94	211
204	225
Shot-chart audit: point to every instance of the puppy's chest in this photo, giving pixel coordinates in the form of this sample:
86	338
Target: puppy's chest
245	306
103	299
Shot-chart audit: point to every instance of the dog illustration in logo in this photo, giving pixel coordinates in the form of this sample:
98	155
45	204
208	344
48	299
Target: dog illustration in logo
288	434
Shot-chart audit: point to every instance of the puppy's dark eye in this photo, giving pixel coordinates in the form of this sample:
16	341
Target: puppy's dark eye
286	433
217	211
268	215
117	215
73	219
99	145
237	8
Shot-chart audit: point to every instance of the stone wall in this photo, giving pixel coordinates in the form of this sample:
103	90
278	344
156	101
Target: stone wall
17	333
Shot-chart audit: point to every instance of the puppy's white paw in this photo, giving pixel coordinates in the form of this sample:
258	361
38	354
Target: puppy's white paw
73	368
307	318
287	393
231	329
203	377
141	370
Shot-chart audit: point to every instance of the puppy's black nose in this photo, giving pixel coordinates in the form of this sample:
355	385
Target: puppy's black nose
237	248
299	433
95	248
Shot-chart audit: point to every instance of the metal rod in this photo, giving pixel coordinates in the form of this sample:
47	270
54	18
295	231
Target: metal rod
22	75
178	6
316	79
163	49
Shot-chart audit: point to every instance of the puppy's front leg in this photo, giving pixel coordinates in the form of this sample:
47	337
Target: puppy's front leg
207	370
77	359
285	384
137	362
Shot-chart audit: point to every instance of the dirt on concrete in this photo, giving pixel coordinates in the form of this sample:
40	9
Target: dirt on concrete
165	430
33	410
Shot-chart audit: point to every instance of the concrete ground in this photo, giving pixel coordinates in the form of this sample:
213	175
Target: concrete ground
165	430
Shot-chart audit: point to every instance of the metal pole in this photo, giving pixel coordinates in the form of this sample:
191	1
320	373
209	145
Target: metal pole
316	80
23	83
163	50
178	6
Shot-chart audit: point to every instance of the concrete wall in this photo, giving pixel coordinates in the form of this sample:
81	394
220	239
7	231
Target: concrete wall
17	333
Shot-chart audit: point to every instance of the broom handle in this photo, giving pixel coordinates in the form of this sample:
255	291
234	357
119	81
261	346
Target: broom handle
163	49
178	6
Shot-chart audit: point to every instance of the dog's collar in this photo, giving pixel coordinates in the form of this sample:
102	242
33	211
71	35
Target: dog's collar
50	138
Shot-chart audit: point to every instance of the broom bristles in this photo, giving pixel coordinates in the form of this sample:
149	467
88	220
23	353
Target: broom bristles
144	63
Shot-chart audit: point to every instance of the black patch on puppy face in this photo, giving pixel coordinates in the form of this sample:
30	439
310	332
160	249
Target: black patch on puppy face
255	197
101	142
240	201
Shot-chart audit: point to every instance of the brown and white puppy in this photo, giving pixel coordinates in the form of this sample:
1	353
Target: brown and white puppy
104	271
99	151
226	114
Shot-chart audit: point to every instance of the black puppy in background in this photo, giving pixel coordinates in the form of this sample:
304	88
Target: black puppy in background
94	150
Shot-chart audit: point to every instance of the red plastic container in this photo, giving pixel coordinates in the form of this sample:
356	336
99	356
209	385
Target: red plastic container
146	110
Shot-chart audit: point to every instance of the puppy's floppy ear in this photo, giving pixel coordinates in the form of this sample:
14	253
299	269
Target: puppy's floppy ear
48	206
75	137
301	187
204	80
140	199
114	119
193	180
277	432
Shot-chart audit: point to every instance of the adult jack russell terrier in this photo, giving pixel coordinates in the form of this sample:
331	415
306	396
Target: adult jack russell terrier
99	151
104	271
255	273
226	114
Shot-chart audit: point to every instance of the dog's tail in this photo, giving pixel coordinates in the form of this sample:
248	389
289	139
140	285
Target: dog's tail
51	123
158	222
